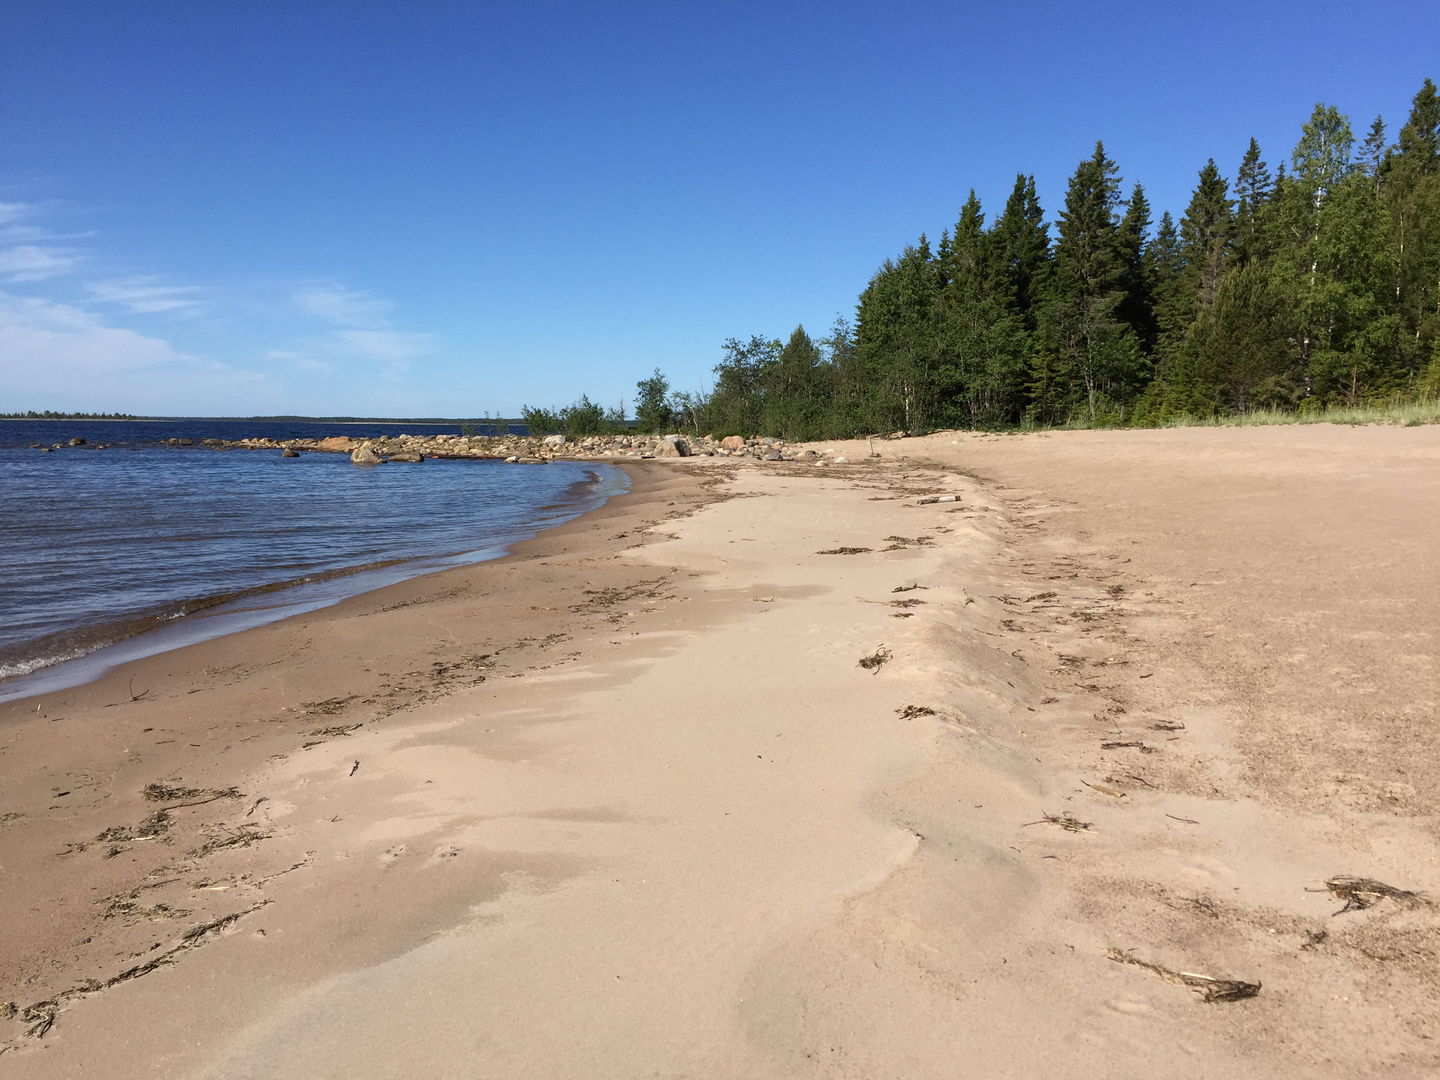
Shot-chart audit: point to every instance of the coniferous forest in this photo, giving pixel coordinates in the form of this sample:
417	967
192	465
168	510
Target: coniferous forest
1303	284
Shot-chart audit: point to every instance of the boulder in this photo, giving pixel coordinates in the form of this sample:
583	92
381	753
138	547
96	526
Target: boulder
553	440
732	442
364	454
338	444
289	452
409	459
672	446
77	441
774	455
532	461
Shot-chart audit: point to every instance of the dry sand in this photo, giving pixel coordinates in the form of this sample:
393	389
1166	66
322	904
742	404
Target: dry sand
628	805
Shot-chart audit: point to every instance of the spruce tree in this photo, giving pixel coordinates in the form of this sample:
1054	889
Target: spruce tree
1020	242
1412	197
1137	308
1083	334
1253	188
1205	236
1373	153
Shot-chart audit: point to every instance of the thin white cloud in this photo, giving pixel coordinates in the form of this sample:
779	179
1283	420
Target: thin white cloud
391	346
33	262
146	296
341	306
362	332
52	354
303	360
13	211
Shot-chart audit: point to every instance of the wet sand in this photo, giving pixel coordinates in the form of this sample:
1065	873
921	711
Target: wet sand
629	804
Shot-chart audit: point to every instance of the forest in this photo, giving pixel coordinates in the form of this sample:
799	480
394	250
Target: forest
1302	288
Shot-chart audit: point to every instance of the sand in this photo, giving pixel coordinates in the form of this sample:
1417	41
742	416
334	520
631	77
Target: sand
629	804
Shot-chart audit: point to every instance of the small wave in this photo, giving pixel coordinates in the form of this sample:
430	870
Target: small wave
36	663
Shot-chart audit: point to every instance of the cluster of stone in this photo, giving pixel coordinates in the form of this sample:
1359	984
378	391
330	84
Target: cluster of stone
524	450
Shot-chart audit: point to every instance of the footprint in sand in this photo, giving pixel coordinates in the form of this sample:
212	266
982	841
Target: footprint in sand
393	854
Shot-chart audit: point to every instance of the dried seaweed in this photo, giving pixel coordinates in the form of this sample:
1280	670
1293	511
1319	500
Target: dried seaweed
1209	988
330	706
335	731
1360	893
844	551
909	588
166	793
876	660
910	712
1067	821
244	837
1132	744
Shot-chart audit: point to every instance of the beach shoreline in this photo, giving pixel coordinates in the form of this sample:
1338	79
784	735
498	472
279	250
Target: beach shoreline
774	770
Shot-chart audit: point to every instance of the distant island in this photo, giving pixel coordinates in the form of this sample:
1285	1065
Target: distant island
50	414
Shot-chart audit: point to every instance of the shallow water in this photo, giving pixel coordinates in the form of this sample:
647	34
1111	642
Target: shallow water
98	546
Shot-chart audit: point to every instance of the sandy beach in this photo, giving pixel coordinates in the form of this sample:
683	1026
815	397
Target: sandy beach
776	770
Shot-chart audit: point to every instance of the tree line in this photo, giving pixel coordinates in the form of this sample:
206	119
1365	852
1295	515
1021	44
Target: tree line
1312	285
51	414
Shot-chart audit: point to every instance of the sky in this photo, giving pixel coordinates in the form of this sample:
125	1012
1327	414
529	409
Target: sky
459	208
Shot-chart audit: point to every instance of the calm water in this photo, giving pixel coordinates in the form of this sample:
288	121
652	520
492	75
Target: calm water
151	547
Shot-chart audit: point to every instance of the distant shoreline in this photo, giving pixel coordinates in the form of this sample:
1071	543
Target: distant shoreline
351	420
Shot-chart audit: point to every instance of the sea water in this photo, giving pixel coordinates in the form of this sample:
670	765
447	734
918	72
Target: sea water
109	554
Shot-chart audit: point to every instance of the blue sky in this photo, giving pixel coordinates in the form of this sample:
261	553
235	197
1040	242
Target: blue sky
456	208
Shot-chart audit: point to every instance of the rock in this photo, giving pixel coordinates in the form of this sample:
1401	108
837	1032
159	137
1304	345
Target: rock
409	459
842	461
672	446
553	440
773	455
76	441
365	455
769	440
937	499
732	442
336	444
511	460
289	452
532	461
47	449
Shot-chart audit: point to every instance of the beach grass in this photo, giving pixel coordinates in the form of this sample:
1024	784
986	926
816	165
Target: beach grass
1411	413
